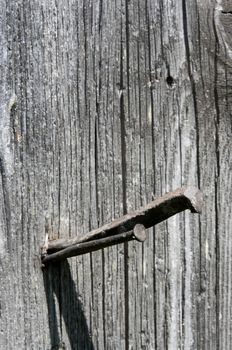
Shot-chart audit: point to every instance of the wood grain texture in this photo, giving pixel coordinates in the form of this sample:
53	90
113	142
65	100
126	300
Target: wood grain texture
104	105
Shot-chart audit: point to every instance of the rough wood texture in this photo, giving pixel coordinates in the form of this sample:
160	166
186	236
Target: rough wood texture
103	105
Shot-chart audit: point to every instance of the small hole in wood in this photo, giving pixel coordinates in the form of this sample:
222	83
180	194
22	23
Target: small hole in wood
170	80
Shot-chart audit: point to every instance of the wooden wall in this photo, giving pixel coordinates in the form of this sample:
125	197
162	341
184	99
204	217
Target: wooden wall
104	105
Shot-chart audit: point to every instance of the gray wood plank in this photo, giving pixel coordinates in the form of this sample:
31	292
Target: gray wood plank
103	105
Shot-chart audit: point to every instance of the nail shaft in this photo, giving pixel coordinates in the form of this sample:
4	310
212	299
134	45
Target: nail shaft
139	234
153	213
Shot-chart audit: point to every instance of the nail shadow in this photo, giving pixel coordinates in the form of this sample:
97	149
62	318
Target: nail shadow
58	283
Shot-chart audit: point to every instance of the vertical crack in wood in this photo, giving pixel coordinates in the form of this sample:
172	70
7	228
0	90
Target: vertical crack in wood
193	86
124	169
153	161
217	187
194	95
6	205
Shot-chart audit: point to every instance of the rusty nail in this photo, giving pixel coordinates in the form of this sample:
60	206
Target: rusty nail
151	214
138	233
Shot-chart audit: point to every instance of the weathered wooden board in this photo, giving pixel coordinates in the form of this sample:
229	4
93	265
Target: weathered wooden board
104	105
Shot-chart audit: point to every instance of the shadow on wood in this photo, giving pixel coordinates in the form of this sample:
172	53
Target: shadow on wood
64	306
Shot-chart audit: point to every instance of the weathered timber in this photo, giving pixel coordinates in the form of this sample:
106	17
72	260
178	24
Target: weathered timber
104	105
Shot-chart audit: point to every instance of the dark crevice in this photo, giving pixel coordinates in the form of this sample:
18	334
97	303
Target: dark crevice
183	281
103	300
123	159
59	296
170	81
100	17
96	164
193	86
91	279
161	11
200	47
217	189
123	132
59	191
98	215
153	166
167	286
180	141
226	12
6	204
127	54
86	58
139	107
194	94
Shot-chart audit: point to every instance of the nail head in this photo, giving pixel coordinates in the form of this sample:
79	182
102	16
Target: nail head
140	232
